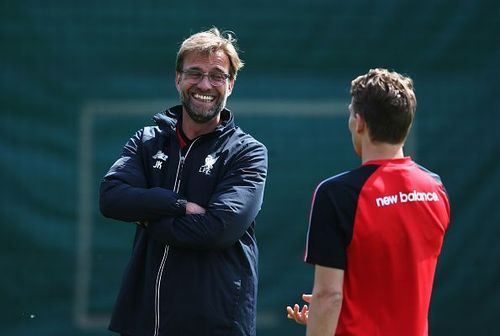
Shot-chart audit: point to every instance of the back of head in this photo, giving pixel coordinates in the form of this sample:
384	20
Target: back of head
387	103
208	42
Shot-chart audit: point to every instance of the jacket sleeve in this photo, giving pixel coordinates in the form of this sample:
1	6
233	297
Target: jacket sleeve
232	208
124	194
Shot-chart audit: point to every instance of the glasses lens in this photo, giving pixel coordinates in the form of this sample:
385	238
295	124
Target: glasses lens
217	78
193	75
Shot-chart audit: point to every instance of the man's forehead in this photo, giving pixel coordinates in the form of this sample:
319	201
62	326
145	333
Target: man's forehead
217	58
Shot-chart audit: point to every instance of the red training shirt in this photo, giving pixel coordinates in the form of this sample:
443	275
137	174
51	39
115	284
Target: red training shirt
383	223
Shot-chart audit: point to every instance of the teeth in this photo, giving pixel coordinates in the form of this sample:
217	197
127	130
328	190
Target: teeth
203	97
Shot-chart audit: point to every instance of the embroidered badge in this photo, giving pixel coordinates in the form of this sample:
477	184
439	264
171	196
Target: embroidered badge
159	157
209	165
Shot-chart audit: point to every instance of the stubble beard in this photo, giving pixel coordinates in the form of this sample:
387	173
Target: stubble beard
198	115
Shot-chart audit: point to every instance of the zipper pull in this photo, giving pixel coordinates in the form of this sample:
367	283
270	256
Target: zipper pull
182	160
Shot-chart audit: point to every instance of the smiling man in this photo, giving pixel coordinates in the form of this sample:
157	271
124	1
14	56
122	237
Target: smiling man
201	99
193	184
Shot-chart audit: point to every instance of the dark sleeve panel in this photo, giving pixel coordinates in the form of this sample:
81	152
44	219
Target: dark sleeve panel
332	217
435	176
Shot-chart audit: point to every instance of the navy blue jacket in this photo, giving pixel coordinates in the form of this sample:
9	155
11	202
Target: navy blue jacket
188	274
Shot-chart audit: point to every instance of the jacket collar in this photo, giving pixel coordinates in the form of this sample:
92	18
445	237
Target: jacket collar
168	119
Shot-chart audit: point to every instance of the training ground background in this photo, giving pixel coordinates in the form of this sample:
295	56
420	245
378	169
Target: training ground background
78	78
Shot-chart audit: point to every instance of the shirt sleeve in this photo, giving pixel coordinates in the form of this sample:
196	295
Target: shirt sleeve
125	194
330	227
231	210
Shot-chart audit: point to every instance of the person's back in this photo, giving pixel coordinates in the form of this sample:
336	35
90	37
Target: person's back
399	223
375	232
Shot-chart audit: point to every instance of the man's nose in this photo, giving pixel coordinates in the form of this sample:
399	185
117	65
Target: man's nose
205	83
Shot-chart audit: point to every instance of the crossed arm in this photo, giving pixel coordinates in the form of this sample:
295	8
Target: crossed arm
218	224
321	317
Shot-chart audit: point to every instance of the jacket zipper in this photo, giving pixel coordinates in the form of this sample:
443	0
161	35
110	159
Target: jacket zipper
177	186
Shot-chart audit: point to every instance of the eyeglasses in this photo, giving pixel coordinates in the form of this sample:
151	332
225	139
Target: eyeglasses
216	78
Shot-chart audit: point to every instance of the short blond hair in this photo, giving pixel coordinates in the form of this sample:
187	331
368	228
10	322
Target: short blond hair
208	42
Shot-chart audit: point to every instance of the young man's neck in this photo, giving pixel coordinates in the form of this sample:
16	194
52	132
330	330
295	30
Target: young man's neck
381	151
192	129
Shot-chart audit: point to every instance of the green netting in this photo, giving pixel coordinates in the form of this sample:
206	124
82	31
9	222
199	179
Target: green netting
79	77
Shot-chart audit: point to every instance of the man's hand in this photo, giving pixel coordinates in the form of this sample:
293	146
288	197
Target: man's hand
299	315
194	209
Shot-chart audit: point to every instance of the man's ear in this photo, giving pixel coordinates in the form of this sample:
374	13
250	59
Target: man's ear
178	81
230	86
360	123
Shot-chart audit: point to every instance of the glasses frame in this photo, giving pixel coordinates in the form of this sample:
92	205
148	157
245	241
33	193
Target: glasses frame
206	74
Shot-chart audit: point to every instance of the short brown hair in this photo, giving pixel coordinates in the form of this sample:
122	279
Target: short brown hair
387	102
208	42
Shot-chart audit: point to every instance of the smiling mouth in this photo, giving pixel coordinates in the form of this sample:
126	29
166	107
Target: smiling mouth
203	98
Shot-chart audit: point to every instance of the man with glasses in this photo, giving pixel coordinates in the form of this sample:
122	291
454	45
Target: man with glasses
194	185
